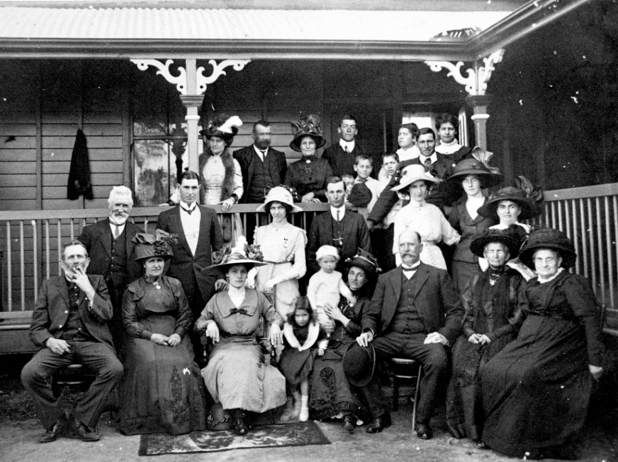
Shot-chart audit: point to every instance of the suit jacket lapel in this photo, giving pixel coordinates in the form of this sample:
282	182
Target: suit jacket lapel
61	284
421	277
106	236
177	224
396	282
203	237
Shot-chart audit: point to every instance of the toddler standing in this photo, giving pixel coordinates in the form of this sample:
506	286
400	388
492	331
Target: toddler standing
300	334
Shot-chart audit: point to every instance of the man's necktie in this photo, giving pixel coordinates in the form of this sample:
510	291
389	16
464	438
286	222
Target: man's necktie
338	215
427	163
345	148
74	294
189	211
116	231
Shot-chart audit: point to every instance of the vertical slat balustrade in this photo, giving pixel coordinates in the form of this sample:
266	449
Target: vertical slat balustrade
35	256
608	249
47	255
9	267
584	240
22	266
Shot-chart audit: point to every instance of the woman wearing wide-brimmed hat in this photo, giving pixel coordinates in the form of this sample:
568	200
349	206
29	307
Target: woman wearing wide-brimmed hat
162	390
283	247
471	176
492	301
330	393
537	389
237	375
220	173
308	175
426	219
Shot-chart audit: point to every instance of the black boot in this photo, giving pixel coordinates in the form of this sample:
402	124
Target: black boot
240	425
349	422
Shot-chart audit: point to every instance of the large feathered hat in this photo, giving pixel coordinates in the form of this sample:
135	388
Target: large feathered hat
151	245
222	126
308	125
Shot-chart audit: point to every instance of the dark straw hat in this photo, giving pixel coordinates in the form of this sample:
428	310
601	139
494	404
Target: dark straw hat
365	261
308	125
507	194
359	364
475	167
149	245
488	236
552	239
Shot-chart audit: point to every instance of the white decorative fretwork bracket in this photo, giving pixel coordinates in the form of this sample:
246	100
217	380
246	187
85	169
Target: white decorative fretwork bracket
217	71
477	77
181	79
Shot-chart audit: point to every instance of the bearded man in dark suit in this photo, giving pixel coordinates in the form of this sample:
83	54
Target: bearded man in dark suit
199	234
69	325
341	228
112	253
262	169
415	313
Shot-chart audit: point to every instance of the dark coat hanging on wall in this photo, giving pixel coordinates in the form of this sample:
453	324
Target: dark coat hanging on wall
79	174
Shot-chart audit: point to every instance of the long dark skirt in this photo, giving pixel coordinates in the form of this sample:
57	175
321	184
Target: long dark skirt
329	392
162	390
537	389
464	404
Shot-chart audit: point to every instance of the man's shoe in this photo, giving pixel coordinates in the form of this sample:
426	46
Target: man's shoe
86	433
379	423
424	431
52	433
348	423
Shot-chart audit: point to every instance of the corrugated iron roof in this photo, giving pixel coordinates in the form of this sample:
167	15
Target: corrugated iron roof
169	24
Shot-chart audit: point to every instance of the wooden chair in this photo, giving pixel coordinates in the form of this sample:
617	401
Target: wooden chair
73	375
406	369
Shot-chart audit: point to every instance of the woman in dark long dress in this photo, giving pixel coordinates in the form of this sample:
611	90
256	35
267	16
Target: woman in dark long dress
330	394
309	174
492	300
537	389
471	176
162	390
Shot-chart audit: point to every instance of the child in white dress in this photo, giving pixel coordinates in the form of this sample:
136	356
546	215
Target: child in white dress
326	287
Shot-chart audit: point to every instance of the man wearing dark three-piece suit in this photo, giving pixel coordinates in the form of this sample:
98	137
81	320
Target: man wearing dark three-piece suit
69	325
199	234
341	228
262	169
415	313
112	253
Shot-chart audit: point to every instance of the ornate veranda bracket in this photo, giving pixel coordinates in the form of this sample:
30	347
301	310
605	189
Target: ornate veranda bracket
477	77
217	71
180	80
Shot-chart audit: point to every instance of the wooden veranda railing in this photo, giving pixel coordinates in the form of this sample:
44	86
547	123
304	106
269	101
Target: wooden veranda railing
589	216
31	242
31	245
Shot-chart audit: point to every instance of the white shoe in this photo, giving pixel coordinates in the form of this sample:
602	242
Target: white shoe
304	414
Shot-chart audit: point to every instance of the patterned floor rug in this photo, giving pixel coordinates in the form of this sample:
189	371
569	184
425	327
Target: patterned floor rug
279	435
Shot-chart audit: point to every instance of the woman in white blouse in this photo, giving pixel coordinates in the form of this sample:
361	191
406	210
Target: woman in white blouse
426	219
220	174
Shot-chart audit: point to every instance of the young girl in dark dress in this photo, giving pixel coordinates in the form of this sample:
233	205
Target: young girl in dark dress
301	333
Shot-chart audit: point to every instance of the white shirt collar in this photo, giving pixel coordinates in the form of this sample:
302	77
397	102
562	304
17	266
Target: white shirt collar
257	150
187	206
433	157
334	210
350	144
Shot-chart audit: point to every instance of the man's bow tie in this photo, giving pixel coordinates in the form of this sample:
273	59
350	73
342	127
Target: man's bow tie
189	211
238	311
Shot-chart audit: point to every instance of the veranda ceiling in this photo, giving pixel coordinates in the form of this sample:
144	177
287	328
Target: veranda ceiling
284	29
